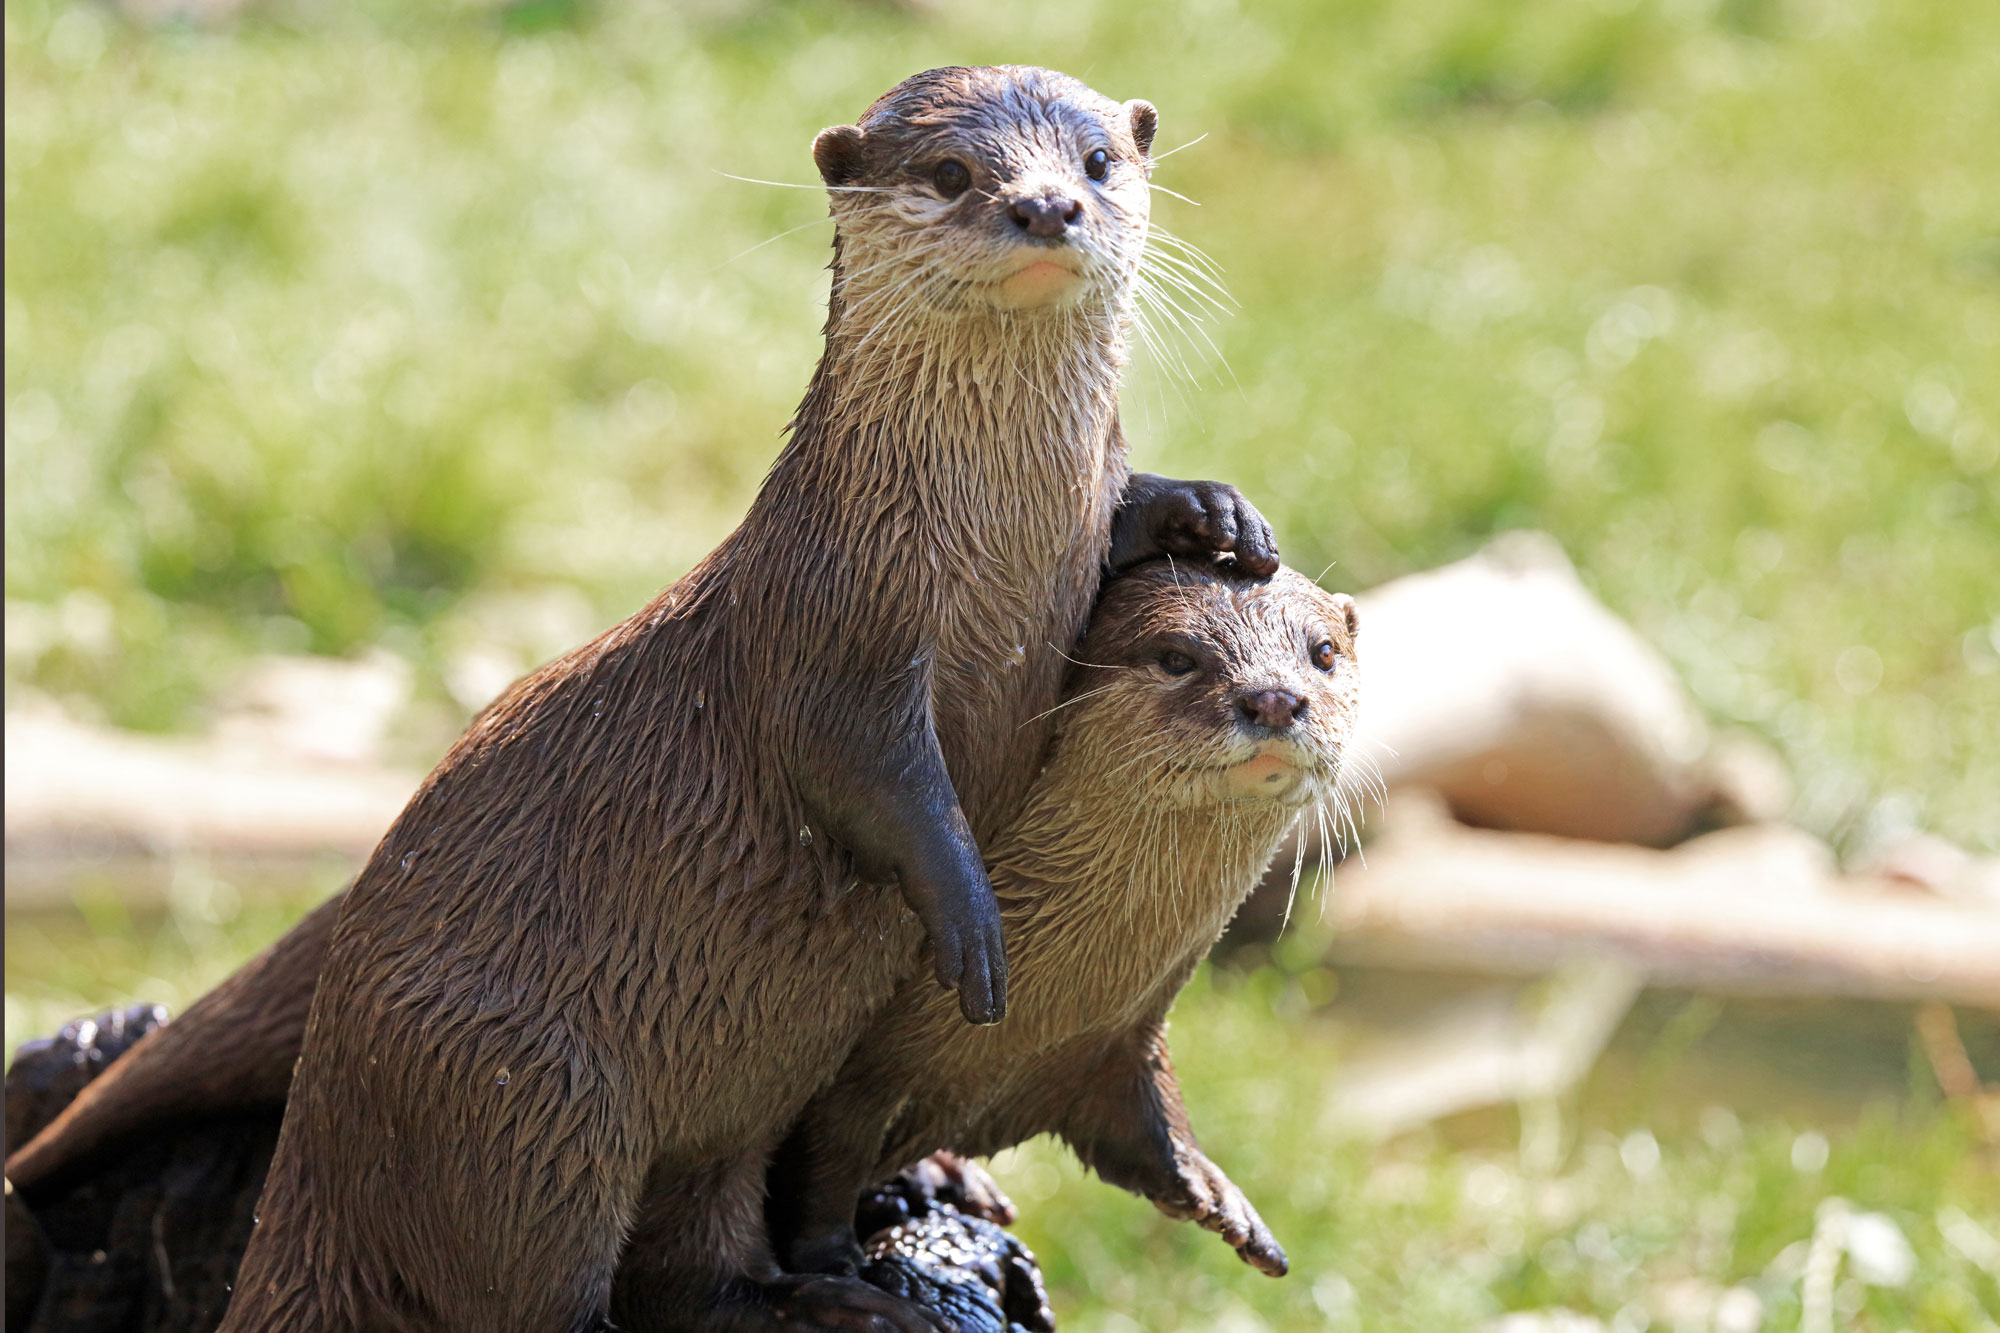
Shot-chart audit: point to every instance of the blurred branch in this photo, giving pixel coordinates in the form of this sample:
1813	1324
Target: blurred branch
1759	910
1493	1048
1937	1029
84	800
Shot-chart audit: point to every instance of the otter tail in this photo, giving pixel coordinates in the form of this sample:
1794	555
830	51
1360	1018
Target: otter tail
234	1048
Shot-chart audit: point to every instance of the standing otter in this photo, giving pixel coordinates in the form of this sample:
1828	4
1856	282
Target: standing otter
1213	711
637	916
1207	715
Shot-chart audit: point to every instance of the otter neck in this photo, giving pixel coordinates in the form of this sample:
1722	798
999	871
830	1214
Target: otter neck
996	381
1161	881
993	430
1156	860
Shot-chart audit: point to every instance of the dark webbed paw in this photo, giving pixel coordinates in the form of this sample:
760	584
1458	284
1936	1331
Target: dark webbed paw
1197	519
970	952
1206	1196
944	1179
961	1183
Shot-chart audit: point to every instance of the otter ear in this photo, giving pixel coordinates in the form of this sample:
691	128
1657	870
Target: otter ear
1352	613
837	152
1145	120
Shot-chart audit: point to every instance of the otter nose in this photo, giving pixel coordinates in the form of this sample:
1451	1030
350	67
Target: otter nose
1047	216
1271	708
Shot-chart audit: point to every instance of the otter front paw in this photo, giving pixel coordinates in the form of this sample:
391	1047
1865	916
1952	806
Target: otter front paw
970	954
1206	1196
1199	519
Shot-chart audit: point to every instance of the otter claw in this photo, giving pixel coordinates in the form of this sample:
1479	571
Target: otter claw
982	986
977	970
1212	1201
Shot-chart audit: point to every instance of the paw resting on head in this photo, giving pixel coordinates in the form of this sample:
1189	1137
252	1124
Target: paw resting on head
1198	520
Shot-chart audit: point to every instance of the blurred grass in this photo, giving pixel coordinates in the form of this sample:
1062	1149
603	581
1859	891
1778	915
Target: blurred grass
420	325
433	328
1657	1196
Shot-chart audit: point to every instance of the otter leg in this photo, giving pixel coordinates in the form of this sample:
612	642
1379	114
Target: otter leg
1132	1128
698	1260
825	1165
1158	516
890	801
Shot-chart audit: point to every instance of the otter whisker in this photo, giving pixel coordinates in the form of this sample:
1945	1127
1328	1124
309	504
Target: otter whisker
1298	864
920	281
1167	353
1159	363
793	185
1197	284
1187	322
1325	877
1188	248
1175	193
1162	285
906	254
1067	702
1161	157
1169	248
790	231
1169	350
1160	301
1167	251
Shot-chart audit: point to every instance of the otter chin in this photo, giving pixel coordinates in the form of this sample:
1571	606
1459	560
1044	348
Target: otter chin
1044	282
1269	776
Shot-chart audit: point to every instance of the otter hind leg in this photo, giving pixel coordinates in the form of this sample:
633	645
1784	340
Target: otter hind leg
699	1260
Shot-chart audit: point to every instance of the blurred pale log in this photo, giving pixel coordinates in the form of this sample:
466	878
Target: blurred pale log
1503	684
1758	910
86	801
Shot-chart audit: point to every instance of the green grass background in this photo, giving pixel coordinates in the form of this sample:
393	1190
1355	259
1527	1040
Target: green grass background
365	325
437	328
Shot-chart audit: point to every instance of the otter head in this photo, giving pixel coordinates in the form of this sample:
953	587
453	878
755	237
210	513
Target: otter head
1005	188
1219	689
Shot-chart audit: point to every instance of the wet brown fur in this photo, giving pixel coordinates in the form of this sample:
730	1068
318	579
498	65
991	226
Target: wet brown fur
597	966
1126	863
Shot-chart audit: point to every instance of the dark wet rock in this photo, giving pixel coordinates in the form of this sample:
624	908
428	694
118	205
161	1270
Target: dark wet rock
47	1074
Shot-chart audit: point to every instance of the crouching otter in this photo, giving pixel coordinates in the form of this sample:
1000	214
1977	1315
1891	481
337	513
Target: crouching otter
1207	714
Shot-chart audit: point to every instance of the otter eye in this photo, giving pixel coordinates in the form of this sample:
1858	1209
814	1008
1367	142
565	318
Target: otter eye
951	178
1097	164
1323	655
1176	663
